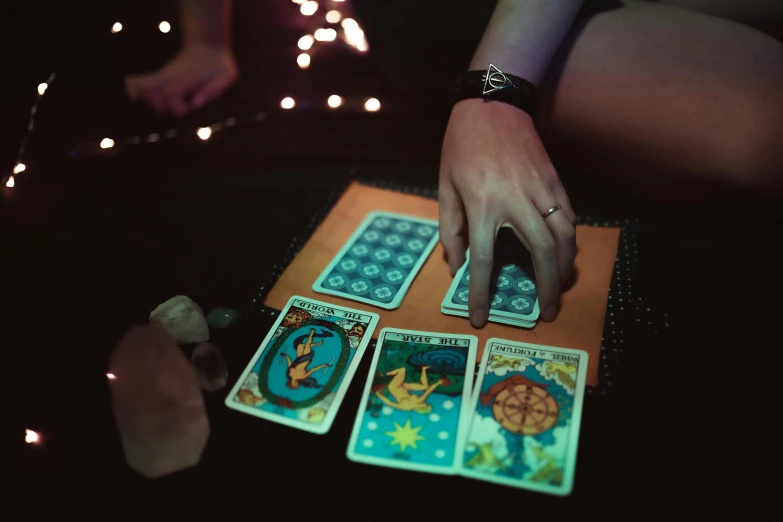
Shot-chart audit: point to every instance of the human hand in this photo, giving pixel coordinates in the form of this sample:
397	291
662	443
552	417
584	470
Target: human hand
197	75
495	172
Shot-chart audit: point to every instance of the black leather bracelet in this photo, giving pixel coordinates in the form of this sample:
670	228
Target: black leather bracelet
493	84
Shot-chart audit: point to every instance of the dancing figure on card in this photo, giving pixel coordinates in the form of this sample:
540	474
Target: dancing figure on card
401	391
298	372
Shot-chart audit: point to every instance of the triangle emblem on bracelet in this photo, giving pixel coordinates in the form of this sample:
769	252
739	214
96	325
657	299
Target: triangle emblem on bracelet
495	80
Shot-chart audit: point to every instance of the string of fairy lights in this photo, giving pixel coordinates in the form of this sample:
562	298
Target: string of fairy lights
341	28
338	27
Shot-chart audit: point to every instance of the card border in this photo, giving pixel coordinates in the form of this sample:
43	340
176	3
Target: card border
403	291
464	413
573	436
326	424
491	319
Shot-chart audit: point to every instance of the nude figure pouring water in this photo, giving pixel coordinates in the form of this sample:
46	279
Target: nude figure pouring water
401	391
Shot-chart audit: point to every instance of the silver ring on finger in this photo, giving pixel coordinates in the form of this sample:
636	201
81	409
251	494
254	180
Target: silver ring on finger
550	211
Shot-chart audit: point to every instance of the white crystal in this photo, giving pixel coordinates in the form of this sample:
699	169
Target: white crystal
183	319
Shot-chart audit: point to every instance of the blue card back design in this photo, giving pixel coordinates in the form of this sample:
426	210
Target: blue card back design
384	256
513	286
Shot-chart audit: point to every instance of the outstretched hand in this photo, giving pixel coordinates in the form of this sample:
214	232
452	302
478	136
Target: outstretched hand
196	76
495	172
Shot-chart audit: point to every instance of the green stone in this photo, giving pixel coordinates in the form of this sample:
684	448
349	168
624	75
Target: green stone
222	317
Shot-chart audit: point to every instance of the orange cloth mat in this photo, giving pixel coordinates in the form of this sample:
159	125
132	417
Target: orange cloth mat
579	325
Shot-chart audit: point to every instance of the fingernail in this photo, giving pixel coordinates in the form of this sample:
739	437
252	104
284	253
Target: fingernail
478	318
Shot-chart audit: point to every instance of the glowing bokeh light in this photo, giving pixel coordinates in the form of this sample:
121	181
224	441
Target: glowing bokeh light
287	103
31	437
306	42
20	167
334	101
204	133
164	27
372	105
116	28
10	183
333	16
349	23
42	87
309	8
303	61
325	35
354	35
107	143
111	376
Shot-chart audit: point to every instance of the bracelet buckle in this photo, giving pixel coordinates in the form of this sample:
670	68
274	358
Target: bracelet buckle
495	80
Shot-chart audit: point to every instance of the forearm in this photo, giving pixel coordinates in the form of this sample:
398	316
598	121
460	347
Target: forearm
523	35
206	22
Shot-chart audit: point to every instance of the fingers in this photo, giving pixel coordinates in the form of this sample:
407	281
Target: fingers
482	247
211	89
558	191
563	232
147	88
561	224
131	88
178	86
451	221
544	252
165	91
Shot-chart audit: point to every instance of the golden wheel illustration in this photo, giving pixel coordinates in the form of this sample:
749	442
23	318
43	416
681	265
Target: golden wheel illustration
524	409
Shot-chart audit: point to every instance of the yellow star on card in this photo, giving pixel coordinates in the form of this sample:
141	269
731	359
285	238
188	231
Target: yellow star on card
405	435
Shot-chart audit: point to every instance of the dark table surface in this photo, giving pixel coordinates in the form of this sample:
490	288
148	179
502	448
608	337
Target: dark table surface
695	409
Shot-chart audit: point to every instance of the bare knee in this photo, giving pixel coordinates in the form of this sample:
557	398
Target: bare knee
753	155
748	140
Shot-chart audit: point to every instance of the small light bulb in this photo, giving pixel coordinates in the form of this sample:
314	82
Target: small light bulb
306	42
349	23
372	105
325	35
20	167
164	27
287	103
333	16
107	143
10	183
116	28
111	376
42	88
309	8
204	133
303	60
31	437
334	101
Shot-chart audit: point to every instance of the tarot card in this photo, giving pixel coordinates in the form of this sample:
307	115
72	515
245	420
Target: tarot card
525	416
379	262
301	371
415	402
514	298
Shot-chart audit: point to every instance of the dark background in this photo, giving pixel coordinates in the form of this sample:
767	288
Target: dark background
91	241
